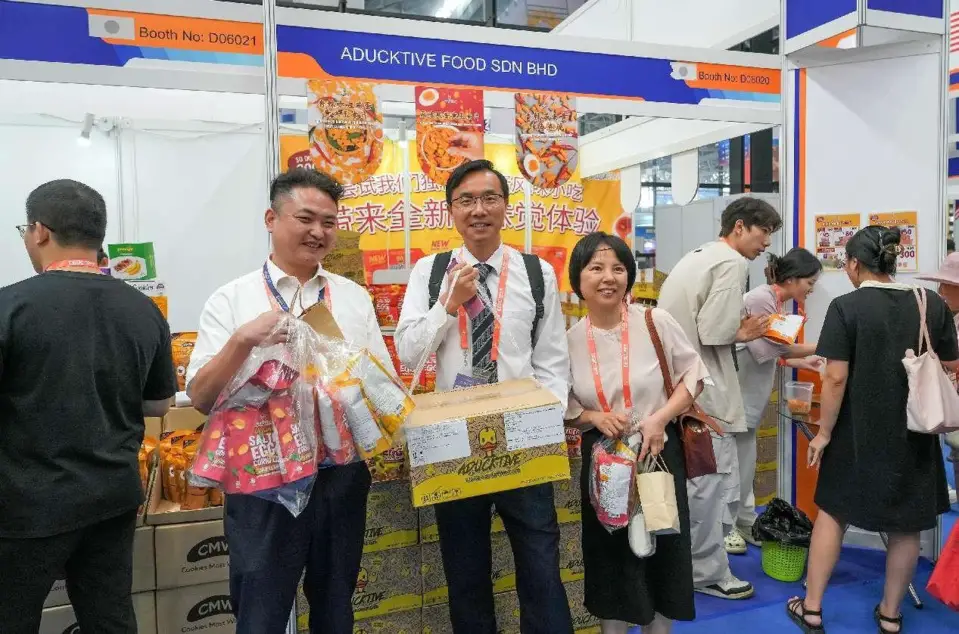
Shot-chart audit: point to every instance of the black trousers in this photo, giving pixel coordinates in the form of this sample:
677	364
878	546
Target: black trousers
97	563
529	515
269	549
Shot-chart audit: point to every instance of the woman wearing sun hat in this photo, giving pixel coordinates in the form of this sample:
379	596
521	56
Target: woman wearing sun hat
948	279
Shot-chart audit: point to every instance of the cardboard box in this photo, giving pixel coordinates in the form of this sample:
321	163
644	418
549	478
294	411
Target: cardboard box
435	589
569	500
160	511
429	532
436	620
191	554
507	613
485	439
583	621
389	581
391	520
63	620
571	567
132	261
205	608
152	427
144	570
408	622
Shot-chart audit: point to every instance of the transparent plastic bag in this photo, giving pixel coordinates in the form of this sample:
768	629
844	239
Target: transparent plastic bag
294	407
611	482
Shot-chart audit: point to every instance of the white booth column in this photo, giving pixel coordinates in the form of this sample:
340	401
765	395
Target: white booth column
864	143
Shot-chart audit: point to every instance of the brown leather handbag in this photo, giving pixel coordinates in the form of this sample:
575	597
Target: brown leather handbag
694	423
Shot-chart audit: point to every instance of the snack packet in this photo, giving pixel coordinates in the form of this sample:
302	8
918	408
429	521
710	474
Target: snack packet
784	328
610	483
253	457
296	439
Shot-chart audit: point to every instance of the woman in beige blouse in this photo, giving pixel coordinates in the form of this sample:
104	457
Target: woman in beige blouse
622	589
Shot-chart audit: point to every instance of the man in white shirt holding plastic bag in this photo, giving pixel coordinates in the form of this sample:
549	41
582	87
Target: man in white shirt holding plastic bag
519	291
269	548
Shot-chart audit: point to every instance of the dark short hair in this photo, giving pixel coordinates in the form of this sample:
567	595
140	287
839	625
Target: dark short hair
587	247
74	212
797	264
876	248
469	167
753	212
101	255
303	177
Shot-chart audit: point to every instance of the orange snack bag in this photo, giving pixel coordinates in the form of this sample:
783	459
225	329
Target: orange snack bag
143	458
183	343
215	496
210	461
193	497
253	453
784	328
296	452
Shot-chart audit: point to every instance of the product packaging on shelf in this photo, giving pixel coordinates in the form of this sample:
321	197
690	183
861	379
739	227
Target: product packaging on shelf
389	581
429	532
406	622
63	620
156	291
387	301
171	499
583	621
191	554
144	570
183	343
427	382
566	498
483	440
507	612
435	589
132	261
391	520
436	619
204	608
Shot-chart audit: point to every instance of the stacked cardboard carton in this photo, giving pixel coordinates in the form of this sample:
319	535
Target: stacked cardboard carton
180	562
402	586
767	453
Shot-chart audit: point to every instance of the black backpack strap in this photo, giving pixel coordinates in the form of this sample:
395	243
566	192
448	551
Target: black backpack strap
440	263
534	271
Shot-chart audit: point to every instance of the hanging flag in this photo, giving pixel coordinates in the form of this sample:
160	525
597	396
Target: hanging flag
547	138
449	129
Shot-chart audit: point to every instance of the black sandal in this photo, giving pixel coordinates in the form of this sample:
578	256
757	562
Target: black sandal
880	619
796	609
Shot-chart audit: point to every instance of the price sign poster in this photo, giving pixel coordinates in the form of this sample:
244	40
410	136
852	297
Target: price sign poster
832	234
908	223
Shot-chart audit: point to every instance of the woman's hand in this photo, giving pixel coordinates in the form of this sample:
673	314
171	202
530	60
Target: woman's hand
816	447
653	429
611	425
811	363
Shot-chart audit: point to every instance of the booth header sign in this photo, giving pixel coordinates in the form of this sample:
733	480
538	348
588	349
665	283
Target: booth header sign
77	35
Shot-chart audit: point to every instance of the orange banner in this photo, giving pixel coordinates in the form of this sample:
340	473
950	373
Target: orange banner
192	34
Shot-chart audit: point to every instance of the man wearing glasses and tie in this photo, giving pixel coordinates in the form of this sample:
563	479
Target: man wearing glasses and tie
493	282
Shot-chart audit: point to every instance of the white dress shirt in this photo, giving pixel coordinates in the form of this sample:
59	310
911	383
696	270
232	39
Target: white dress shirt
243	300
548	361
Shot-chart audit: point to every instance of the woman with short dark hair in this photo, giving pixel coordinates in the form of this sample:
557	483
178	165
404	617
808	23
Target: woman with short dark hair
790	277
607	393
874	473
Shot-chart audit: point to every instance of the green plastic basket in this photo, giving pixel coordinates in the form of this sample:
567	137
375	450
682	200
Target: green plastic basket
784	563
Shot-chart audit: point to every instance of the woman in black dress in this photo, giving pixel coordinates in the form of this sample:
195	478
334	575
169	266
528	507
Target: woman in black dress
606	396
873	473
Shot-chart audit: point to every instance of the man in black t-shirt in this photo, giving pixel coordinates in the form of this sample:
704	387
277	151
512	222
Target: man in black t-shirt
83	358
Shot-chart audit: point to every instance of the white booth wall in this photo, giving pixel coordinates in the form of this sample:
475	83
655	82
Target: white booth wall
195	188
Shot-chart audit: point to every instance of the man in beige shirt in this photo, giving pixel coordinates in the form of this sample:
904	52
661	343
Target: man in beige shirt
704	293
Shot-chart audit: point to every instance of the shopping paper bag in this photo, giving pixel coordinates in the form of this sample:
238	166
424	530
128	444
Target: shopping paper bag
944	582
657	497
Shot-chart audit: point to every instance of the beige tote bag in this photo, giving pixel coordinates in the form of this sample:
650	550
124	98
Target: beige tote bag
657	497
933	405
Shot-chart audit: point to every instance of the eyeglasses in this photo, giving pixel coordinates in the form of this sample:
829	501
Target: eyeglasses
468	201
23	229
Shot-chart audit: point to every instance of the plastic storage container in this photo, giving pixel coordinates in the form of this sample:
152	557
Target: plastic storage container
799	397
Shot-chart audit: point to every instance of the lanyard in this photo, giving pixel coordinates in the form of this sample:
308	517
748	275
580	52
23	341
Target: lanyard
81	266
498	314
277	301
594	365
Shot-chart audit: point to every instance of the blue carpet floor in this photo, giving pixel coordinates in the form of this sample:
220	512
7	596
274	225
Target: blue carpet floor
855	590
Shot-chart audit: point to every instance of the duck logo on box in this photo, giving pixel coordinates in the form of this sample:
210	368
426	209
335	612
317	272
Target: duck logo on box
487	441
208	548
216	605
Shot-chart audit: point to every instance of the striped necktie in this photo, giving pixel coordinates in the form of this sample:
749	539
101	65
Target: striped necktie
484	368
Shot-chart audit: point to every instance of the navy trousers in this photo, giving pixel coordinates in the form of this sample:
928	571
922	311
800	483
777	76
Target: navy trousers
269	549
529	515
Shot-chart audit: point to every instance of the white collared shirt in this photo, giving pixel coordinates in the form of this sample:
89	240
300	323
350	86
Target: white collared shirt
548	361
244	299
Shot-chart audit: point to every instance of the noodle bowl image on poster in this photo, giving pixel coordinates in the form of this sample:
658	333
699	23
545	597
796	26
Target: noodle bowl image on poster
346	129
